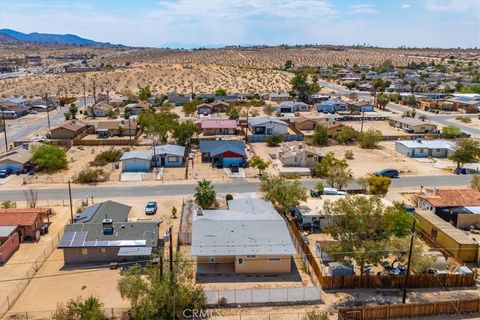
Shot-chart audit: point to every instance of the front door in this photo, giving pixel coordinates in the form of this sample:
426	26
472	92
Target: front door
162	161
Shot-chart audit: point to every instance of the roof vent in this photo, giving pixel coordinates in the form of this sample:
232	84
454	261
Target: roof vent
107	225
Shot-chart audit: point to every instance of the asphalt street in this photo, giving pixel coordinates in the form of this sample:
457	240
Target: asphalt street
240	186
20	129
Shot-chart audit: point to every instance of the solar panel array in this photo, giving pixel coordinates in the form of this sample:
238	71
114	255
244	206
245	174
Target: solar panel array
77	239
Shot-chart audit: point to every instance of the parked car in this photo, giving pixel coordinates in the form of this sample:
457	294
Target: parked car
5	173
390	173
32	112
234	168
151	207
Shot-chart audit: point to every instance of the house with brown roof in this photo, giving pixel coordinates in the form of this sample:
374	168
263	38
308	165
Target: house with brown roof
120	128
9	242
212	108
16	159
68	130
30	221
459	207
212	127
412	125
303	123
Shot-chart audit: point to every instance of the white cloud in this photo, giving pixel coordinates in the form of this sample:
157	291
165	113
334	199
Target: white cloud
406	5
362	9
452	5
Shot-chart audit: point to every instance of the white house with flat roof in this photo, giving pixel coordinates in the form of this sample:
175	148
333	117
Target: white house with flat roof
425	148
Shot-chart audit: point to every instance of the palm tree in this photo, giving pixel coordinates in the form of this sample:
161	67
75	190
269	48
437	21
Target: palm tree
205	195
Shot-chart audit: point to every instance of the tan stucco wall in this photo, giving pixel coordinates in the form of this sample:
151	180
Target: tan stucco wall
262	264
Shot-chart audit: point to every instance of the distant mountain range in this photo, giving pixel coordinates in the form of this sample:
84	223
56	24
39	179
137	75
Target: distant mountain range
9	36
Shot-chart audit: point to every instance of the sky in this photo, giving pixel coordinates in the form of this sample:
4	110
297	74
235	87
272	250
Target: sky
154	23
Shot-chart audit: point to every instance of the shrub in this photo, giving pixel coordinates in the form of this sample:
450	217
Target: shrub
49	157
89	175
349	154
8	204
370	139
274	140
106	157
378	185
346	135
228	197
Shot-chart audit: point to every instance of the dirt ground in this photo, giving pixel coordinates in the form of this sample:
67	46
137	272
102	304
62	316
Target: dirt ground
383	126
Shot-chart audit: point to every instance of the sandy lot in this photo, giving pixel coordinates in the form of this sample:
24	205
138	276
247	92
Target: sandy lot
383	126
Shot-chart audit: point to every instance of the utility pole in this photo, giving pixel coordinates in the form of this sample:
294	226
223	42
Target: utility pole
363	116
84	97
161	265
187	156
170	236
154	154
129	131
4	129
407	276
94	92
48	111
71	205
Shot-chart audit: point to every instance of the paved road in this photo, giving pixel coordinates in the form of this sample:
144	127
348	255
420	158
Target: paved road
20	129
188	189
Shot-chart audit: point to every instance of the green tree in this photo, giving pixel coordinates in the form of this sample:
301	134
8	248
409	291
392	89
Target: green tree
412	83
158	125
320	135
361	226
346	135
156	295
370	139
259	163
377	84
468	150
144	93
73	110
274	140
301	87
190	107
233	113
338	176
382	100
284	194
49	157
78	309
475	182
328	161
378	185
420	262
220	92
451	131
319	187
184	131
205	195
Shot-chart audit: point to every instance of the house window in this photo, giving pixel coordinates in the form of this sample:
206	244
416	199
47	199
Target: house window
274	259
172	159
84	251
269	130
103	250
251	257
240	260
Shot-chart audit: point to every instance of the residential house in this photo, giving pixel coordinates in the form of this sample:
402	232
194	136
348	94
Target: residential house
267	126
303	123
102	109
106	129
424	148
412	125
331	106
136	108
30	221
17	158
212	108
103	233
229	98
144	160
237	240
18	105
360	106
275	97
218	127
460	207
178	99
471	103
317	98
292	107
68	130
224	153
9	242
295	154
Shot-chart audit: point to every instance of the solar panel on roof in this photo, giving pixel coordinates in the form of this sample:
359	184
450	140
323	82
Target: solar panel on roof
88	213
66	239
79	239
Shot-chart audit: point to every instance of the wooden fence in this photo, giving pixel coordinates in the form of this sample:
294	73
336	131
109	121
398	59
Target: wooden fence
381	281
411	310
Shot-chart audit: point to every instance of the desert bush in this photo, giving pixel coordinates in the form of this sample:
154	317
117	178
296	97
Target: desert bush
106	157
349	154
274	140
49	157
89	175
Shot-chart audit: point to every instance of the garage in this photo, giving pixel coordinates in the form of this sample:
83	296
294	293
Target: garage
136	161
